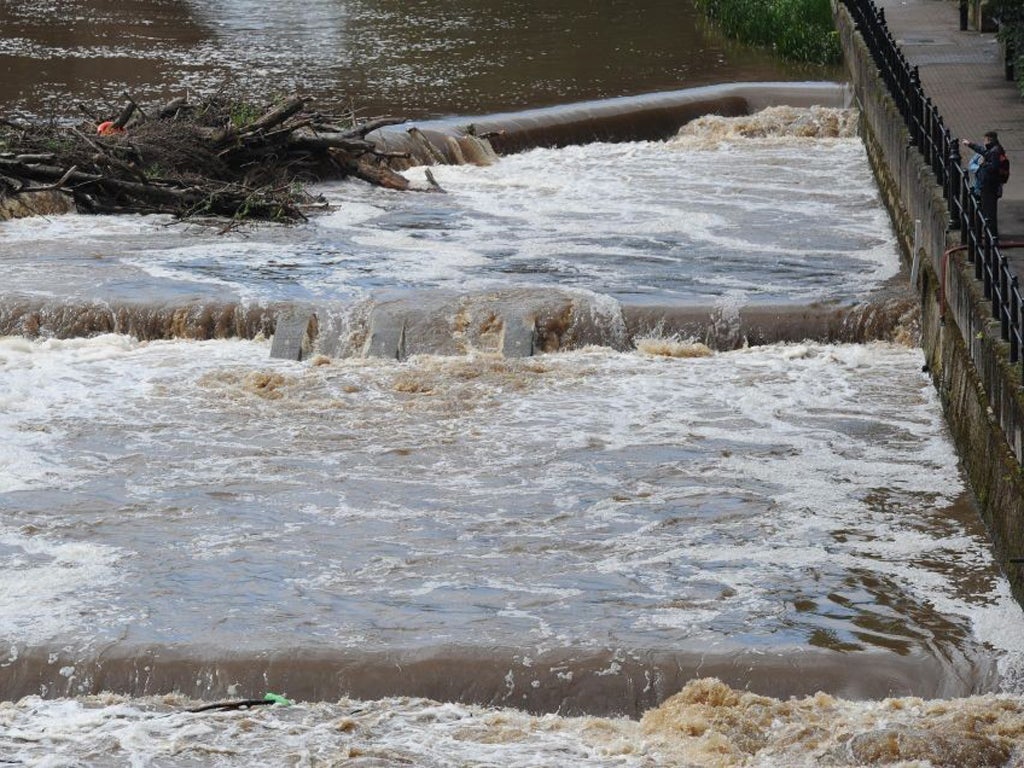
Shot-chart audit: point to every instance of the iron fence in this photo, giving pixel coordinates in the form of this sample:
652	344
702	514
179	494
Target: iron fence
941	151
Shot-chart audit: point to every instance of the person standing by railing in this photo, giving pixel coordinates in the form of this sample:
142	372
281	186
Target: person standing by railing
989	178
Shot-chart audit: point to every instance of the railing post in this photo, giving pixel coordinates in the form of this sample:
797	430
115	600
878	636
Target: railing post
926	132
988	273
955	181
1004	296
976	245
1015	309
979	233
914	121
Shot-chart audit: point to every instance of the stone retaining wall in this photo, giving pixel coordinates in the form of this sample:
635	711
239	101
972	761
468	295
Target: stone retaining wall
979	389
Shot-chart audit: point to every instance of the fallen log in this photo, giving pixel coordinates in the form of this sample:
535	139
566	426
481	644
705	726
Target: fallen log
126	115
379	175
275	116
41	158
171	108
372	125
325	141
41	172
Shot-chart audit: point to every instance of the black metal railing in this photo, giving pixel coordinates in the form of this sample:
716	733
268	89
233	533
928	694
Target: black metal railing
941	151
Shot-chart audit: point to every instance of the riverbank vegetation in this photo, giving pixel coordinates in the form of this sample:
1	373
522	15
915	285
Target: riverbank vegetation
219	158
1010	16
800	30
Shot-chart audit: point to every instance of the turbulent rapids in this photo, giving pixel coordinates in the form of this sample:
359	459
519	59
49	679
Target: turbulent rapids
608	430
515	266
707	724
512	323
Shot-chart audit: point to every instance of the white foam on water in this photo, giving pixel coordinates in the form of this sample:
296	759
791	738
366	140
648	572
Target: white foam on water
49	585
668	220
211	263
750	203
208	466
57	389
74	228
77	256
37	382
706	724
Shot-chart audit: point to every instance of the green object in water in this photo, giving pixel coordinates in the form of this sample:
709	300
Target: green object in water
277	698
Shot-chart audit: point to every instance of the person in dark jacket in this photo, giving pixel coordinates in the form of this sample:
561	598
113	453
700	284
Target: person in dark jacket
988	181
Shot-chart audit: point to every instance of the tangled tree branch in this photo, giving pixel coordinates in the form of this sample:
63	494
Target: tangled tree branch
215	158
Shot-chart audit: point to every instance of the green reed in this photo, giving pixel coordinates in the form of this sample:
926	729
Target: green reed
801	30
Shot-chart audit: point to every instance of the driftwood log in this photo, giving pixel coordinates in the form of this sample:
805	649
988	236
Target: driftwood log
216	158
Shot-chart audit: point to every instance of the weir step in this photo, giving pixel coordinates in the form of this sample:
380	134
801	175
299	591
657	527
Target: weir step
398	330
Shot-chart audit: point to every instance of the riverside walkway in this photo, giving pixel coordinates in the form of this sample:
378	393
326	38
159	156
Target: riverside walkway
964	75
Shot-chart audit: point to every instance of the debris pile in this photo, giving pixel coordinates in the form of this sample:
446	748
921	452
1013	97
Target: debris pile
217	158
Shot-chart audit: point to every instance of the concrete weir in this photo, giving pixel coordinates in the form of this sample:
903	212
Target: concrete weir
648	117
516	323
529	321
396	332
513	323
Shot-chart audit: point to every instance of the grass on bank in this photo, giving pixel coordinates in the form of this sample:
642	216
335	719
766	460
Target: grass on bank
800	30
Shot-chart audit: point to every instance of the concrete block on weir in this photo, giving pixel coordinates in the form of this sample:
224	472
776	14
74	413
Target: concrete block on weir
295	333
386	337
519	336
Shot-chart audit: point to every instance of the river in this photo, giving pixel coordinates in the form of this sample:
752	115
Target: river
665	529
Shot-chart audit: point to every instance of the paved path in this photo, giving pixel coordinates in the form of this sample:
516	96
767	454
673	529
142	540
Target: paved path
964	75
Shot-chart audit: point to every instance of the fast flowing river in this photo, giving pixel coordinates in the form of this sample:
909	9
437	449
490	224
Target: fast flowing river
465	556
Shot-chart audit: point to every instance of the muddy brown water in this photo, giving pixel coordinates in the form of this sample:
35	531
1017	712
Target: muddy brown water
584	531
379	56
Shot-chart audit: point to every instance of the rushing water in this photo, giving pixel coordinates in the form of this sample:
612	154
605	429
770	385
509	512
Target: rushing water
671	230
525	538
578	532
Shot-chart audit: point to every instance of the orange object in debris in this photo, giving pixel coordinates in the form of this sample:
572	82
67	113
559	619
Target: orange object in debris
107	128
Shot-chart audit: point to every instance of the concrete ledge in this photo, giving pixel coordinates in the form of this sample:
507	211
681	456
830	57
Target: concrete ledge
652	116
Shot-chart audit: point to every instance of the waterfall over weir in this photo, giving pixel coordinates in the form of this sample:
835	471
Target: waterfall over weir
653	116
512	323
688	215
444	561
675	496
518	323
523	323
